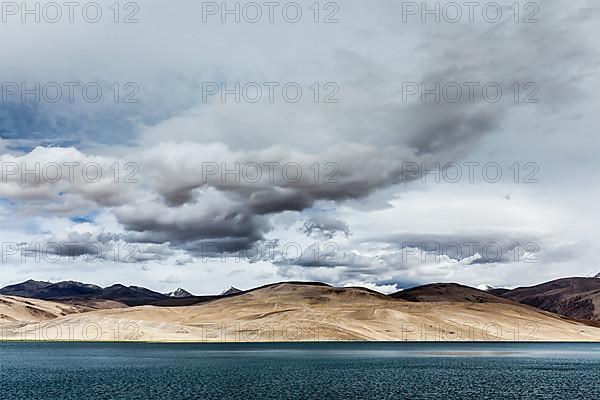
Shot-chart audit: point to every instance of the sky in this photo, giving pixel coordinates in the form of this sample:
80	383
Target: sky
383	144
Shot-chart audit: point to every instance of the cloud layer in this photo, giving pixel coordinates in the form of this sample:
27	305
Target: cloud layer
190	177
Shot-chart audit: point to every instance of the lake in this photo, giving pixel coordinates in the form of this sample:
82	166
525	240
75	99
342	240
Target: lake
299	370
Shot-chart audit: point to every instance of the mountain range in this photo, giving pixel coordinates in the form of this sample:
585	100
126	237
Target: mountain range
564	309
73	291
577	298
85	294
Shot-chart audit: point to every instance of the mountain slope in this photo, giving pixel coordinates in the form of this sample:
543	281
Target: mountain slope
231	290
21	310
447	292
179	293
67	289
498	291
48	290
130	295
25	289
577	298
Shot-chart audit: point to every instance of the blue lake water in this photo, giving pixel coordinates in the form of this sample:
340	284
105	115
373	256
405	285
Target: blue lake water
299	370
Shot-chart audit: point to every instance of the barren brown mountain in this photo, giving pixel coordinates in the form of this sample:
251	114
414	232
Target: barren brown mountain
577	298
444	292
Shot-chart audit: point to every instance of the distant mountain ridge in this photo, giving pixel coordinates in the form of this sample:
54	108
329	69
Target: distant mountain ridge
179	293
577	298
24	289
86	294
70	290
230	291
447	292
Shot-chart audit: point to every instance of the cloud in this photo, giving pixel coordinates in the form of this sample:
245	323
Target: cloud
185	177
324	227
58	178
211	219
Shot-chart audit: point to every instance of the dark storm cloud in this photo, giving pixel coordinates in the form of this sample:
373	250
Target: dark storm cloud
88	247
211	219
69	245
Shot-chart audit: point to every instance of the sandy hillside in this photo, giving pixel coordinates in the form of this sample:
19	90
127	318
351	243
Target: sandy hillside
19	309
293	312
